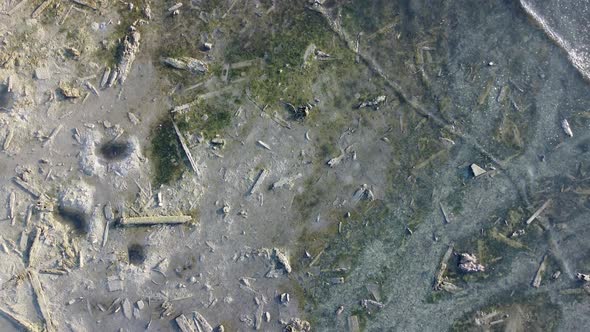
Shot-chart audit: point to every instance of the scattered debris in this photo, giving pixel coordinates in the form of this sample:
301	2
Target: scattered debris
583	277
298	325
286	182
468	263
373	103
284	298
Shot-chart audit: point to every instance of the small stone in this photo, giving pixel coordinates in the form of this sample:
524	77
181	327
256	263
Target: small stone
207	46
42	73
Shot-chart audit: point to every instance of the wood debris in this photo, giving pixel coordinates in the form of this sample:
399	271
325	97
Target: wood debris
54	133
184	324
8	139
353	324
439	277
87	3
258	182
565	125
41	300
12	207
476	170
105	77
201	323
19	320
39	10
154	220
538	212
445	215
186	150
373	103
128	51
127	309
189	64
29	188
264	145
539	274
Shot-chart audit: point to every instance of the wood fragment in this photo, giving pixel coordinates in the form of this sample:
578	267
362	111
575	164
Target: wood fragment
565	125
39	10
538	212
17	6
155	220
261	176
201	323
19	320
8	139
445	215
27	187
264	145
54	133
105	77
539	274
41	300
90	4
486	92
187	152
504	239
184	324
92	88
439	277
12	207
353	324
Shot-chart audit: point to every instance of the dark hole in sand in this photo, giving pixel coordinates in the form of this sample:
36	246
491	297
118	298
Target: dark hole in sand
136	254
5	97
76	220
115	150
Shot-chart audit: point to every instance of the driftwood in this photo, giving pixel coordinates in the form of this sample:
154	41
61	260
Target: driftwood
27	187
19	320
261	176
41	300
538	212
539	275
155	220
185	149
442	268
